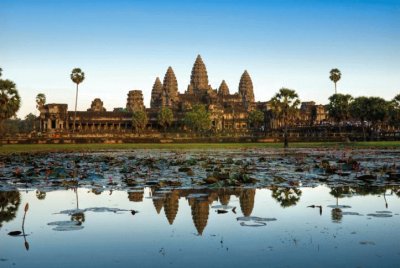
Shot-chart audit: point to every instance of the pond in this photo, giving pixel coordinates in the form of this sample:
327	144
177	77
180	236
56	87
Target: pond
234	208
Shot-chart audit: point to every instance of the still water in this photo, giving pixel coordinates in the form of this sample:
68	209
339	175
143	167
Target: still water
228	227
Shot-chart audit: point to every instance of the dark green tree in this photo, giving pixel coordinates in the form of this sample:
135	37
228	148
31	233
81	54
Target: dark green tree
378	110
40	100
394	111
339	107
139	120
335	76
286	196
29	123
9	203
198	119
256	119
165	117
285	107
359	111
77	76
10	100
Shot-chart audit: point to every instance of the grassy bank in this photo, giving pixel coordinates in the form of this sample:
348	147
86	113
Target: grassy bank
131	146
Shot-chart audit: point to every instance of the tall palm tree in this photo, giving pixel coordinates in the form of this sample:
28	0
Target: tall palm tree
10	100
335	76
284	105
40	102
77	76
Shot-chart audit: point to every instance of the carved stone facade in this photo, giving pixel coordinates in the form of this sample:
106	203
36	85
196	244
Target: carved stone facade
134	102
96	106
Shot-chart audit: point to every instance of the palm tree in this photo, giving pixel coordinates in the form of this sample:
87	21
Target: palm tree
335	76
284	105
40	102
77	76
10	100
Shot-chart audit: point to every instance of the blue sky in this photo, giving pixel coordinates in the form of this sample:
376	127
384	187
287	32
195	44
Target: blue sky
125	45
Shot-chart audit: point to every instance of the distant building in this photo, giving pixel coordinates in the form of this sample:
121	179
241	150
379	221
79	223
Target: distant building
229	111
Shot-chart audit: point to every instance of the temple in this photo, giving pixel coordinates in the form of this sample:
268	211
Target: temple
228	111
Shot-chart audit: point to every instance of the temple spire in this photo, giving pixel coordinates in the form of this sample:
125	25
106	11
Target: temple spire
199	77
170	87
246	88
156	94
223	89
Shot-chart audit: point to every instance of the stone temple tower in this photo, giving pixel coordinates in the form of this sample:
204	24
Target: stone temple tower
170	88
134	102
223	89
199	77
156	94
246	89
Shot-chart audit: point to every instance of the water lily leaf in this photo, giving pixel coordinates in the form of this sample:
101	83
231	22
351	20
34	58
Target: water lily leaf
15	233
253	218
256	224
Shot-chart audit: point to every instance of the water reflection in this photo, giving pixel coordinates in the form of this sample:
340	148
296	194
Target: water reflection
286	196
185	218
9	204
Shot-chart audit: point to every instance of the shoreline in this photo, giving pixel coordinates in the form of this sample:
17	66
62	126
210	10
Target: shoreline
92	147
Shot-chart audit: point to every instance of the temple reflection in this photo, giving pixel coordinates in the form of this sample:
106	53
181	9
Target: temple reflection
200	201
171	205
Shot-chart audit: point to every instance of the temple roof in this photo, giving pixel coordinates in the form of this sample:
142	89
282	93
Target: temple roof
156	92
223	89
199	77
246	87
170	84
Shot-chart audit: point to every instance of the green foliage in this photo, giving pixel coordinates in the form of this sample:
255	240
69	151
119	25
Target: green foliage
198	119
91	147
165	117
256	118
40	100
9	203
285	107
285	196
16	126
339	107
77	76
394	111
358	108
373	109
378	110
10	100
335	76
139	120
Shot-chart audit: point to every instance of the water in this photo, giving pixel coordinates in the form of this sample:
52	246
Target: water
196	208
184	229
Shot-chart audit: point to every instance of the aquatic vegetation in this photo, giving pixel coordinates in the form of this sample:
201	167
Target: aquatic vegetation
215	169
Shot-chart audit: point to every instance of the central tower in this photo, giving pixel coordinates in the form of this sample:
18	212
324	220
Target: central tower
199	77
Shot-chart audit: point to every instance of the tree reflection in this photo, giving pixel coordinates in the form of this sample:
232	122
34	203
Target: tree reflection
286	196
9	204
78	216
40	195
337	215
340	192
